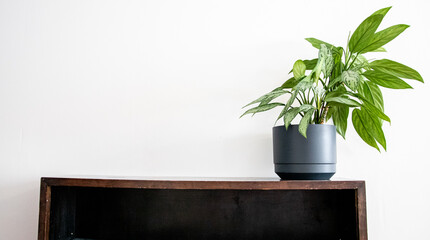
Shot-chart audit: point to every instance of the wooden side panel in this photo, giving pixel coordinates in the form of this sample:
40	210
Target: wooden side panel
361	211
44	210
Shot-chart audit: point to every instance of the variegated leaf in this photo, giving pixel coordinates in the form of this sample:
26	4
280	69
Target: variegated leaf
262	108
292	113
268	97
326	58
351	79
287	105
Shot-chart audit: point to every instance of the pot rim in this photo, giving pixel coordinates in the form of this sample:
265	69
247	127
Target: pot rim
310	125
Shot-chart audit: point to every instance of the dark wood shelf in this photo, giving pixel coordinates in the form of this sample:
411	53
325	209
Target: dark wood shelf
216	208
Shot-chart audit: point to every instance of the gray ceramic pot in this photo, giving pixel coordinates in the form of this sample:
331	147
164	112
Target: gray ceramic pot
300	158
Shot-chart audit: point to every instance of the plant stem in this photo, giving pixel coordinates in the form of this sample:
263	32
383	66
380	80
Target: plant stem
302	98
323	83
353	61
318	103
323	113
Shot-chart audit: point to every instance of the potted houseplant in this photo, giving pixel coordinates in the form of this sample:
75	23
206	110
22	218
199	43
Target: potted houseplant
328	88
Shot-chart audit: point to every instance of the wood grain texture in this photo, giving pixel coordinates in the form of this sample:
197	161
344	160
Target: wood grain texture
213	183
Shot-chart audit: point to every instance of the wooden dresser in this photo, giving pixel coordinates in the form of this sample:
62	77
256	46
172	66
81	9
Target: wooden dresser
203	209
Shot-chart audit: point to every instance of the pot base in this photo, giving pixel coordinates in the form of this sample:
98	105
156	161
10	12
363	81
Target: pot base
305	176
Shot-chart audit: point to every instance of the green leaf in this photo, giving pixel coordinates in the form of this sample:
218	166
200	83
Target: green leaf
290	83
364	33
340	91
381	49
359	124
299	69
396	69
316	72
338	65
310	64
364	91
342	101
361	62
382	11
370	107
386	80
262	108
317	43
371	92
351	79
383	37
287	105
378	99
268	97
292	113
336	80
304	123
330	112
373	127
340	119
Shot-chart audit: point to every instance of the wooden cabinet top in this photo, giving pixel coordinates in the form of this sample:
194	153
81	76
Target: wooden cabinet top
202	183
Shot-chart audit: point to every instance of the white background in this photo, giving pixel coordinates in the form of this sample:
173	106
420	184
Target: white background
155	88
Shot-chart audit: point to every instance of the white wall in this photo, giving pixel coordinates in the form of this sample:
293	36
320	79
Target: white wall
155	88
